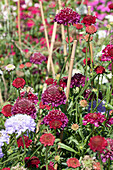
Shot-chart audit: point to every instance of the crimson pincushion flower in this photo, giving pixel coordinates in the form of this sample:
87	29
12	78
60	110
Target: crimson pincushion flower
110	6
97	143
55	115
6	110
88	61
30	96
19	82
6	169
26	139
73	162
99	70
24	106
94	118
67	16
91	29
88	20
37	58
50	81
77	80
54	96
107	53
47	139
32	162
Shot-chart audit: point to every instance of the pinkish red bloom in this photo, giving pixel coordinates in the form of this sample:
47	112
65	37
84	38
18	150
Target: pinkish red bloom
47	139
107	53
71	39
78	26
88	20
6	110
73	163
6	169
19	82
94	118
63	82
96	166
42	106
84	50
55	124
30	23
27	141
32	162
100	70
28	64
97	143
67	16
21	66
91	29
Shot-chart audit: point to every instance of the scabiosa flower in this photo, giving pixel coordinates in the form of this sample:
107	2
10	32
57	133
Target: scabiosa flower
107	53
77	80
91	29
54	96
88	61
84	51
4	137
19	123
50	81
110	6
99	70
10	67
42	106
55	115
21	66
109	122
49	167
73	162
74	127
67	16
19	82
37	58
30	96
96	166
83	103
24	106
88	20
63	82
97	143
32	162
1	153
94	118
78	26
88	94
26	139
47	139
6	110
71	39
55	124
6	169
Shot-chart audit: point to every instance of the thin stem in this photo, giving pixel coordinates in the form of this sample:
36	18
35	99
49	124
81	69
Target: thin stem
68	39
98	89
46	156
100	160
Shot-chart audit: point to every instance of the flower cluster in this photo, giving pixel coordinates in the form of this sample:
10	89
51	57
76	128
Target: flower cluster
47	139
56	119
32	162
24	106
100	70
88	20
19	123
73	162
107	53
54	96
19	82
67	16
30	96
77	80
26	140
94	118
37	58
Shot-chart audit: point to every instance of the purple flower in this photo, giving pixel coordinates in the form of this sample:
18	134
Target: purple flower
37	58
53	95
55	115
77	80
67	16
94	118
24	106
1	153
101	107
19	123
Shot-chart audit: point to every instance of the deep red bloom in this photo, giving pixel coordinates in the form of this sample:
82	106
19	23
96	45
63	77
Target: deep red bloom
84	50
47	139
32	162
91	29
97	143
42	106
78	26
19	82
27	141
30	96
110	6
55	124
73	162
88	61
100	70
6	110
107	53
88	20
50	81
49	167
63	82
6	169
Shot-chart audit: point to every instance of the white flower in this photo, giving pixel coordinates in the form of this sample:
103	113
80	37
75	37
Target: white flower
101	34
109	17
10	67
1	72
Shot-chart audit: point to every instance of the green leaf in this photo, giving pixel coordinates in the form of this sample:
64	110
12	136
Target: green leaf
63	146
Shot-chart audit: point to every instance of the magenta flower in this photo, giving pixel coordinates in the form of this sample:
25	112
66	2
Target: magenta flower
107	53
37	58
94	118
77	80
67	16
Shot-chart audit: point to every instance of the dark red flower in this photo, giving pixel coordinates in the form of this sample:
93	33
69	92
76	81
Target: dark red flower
88	61
55	124
77	80
97	143
110	6
78	26
100	70
88	20
84	50
91	29
50	81
88	94
42	106
30	96
47	139
49	167
19	82
63	82
32	162
6	110
27	141
73	162
107	53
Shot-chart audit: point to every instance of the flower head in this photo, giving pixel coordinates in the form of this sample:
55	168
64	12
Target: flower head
56	119
6	169
88	20
77	80
54	96
73	162
49	167
3	137
10	67
78	26
19	82
74	127
94	118
67	16
83	103
88	61
97	143
30	96
107	53
63	82
32	162
19	123
26	140
91	29
100	70
37	58
110	6
6	110
50	81
47	139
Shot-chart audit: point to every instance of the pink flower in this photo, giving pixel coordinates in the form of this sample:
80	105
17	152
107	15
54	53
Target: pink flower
30	23
47	139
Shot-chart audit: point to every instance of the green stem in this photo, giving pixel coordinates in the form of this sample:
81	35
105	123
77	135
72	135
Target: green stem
100	160
19	92
86	66
46	156
97	89
112	79
90	55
